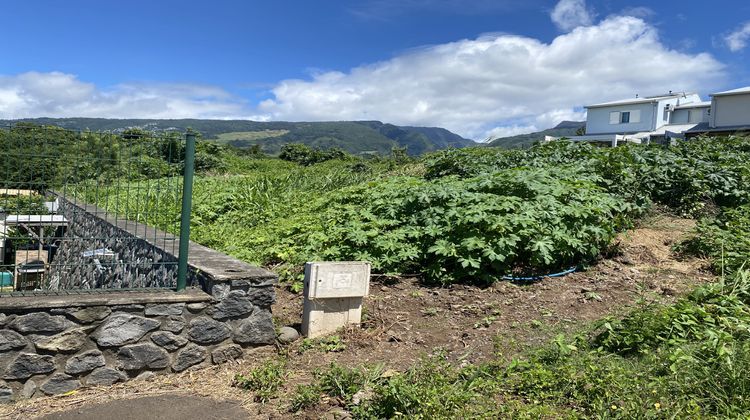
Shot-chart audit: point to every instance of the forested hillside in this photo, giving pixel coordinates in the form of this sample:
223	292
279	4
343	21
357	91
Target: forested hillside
356	137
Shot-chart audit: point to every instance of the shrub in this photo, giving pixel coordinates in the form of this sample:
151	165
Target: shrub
472	230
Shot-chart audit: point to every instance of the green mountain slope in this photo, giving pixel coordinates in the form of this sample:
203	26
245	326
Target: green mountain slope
565	128
358	137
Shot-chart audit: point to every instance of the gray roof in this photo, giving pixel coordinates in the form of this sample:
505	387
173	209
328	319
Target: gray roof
704	128
738	91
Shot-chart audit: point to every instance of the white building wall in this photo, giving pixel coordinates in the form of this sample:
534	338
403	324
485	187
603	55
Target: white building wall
690	115
598	119
730	110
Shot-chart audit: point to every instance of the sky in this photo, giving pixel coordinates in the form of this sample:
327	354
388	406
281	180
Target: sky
479	68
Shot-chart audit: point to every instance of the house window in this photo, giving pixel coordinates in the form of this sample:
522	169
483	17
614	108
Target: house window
625	117
695	115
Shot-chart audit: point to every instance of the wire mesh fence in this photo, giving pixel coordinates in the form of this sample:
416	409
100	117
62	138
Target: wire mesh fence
91	211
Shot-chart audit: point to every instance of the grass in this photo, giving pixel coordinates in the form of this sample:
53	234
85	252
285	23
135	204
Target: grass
249	135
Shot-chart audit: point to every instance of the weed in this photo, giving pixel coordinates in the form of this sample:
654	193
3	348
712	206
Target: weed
305	396
431	311
263	380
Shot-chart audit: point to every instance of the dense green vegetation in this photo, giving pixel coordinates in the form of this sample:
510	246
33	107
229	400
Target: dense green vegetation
468	215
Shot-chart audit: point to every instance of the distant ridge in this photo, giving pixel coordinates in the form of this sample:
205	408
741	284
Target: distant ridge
565	128
357	137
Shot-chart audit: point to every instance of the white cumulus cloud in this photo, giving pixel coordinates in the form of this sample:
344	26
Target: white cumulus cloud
570	14
497	84
738	39
500	83
56	94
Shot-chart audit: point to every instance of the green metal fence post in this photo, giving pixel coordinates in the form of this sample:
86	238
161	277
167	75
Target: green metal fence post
187	201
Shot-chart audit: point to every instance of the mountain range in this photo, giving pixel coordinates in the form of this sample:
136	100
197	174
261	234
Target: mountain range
356	137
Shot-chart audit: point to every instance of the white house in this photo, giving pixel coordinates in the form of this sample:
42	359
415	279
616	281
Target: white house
642	120
662	118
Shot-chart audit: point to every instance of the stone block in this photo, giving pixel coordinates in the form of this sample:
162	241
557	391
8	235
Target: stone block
168	340
204	330
226	353
105	376
28	390
235	304
189	356
123	328
142	356
11	340
196	307
60	383
175	324
26	365
90	314
66	342
38	323
256	329
262	297
6	392
220	290
84	362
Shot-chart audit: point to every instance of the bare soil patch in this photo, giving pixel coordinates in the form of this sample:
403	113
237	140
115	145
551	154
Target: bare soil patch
405	321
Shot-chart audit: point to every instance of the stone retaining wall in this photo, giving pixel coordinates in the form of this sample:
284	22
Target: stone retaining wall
56	343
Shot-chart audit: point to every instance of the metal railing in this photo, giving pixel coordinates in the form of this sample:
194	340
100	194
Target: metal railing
84	211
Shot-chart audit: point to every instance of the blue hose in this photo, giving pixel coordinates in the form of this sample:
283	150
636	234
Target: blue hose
534	278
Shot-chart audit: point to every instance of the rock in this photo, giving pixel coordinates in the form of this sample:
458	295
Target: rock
90	314
142	356
219	291
38	323
168	340
262	297
84	362
122	328
226	353
60	383
164	309
255	329
287	335
11	340
189	356
175	324
145	376
204	330
28	364
66	342
29	389
105	376
196	307
235	304
6	393
4	320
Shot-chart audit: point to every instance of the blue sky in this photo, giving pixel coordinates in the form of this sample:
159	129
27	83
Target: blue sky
478	67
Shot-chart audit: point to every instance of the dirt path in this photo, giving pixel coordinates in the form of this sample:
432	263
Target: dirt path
405	321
